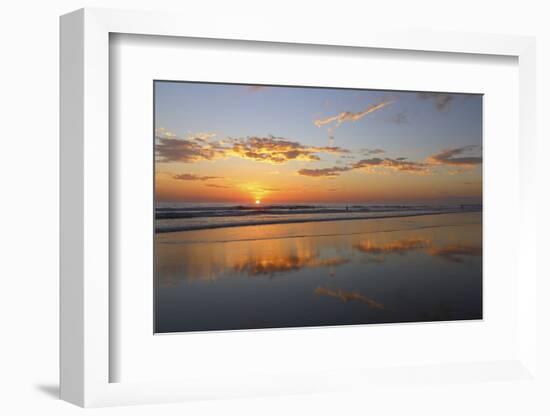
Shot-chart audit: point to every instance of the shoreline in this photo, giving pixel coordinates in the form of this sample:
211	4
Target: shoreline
308	220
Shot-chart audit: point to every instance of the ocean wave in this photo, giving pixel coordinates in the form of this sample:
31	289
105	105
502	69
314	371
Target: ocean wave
174	224
202	211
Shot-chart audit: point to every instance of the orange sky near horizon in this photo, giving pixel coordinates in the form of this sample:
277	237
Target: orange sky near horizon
276	186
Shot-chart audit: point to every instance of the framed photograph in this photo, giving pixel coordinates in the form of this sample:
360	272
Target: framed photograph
281	213
321	226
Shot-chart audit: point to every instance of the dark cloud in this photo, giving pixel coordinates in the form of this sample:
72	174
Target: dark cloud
193	177
372	151
331	149
213	185
334	171
186	150
440	100
457	157
369	165
399	118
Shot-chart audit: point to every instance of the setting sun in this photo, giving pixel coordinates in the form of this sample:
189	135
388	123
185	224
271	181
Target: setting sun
258	202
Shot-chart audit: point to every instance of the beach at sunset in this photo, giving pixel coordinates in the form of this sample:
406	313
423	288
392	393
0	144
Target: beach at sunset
281	207
403	269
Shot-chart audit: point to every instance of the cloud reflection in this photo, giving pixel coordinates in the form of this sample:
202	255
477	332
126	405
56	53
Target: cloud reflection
345	296
271	266
399	246
451	252
210	262
455	253
253	253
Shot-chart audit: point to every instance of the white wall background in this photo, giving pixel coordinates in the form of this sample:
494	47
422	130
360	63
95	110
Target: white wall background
29	56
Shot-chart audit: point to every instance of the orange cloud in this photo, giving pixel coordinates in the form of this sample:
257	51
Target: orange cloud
349	116
256	88
275	150
271	149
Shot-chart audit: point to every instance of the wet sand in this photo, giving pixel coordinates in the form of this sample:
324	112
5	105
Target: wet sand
421	268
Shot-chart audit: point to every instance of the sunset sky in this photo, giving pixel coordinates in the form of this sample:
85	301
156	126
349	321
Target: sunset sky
239	143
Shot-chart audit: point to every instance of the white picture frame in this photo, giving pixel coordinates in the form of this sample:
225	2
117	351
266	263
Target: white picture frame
85	210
